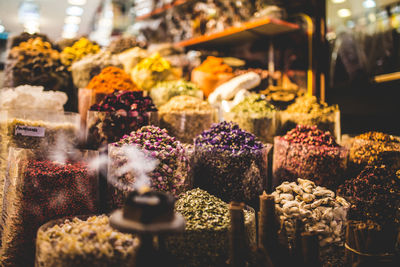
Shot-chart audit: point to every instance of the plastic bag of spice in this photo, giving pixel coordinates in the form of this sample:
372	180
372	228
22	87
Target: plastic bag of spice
256	115
205	241
308	111
109	80
185	117
230	163
92	238
147	157
119	113
39	188
374	149
311	154
34	129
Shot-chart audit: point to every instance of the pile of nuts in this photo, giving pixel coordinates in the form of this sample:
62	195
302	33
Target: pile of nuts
316	206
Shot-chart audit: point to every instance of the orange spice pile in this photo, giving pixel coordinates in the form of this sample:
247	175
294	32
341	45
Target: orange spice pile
110	79
214	65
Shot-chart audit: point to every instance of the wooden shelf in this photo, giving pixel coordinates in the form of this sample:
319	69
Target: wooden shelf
161	10
246	32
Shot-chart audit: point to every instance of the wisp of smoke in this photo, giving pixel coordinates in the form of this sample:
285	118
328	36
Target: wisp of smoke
59	151
137	163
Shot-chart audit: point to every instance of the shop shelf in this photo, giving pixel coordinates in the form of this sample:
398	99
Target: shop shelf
246	31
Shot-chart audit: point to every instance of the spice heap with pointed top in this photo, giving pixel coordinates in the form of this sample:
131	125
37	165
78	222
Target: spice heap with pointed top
230	163
310	153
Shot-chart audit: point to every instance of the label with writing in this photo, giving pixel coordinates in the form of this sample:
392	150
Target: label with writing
29	131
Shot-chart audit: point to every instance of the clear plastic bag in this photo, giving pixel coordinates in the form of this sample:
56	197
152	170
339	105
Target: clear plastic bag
373	153
34	129
326	122
170	175
265	128
231	176
87	98
103	128
185	126
39	189
51	252
326	166
207	247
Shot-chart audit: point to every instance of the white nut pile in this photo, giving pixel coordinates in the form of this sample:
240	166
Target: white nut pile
316	206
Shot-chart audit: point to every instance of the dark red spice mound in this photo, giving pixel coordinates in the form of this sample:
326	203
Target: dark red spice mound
374	195
310	135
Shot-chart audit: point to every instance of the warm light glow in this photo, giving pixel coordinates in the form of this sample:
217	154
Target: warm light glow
344	13
72	20
31	26
71	28
338	1
74	11
369	4
77	2
68	35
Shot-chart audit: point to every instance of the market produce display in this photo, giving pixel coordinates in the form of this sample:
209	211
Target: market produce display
307	110
35	129
230	163
82	242
153	69
119	113
374	195
317	207
131	57
210	74
185	117
109	80
308	152
35	62
38	189
256	115
170	174
78	50
374	149
205	240
31	97
123	43
229	89
164	91
91	65
24	36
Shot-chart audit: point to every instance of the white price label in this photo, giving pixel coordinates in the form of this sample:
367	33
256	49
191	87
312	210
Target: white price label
29	131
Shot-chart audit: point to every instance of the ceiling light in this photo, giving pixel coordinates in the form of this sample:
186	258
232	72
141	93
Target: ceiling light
72	20
338	1
77	2
369	4
74	11
344	13
68	35
71	28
